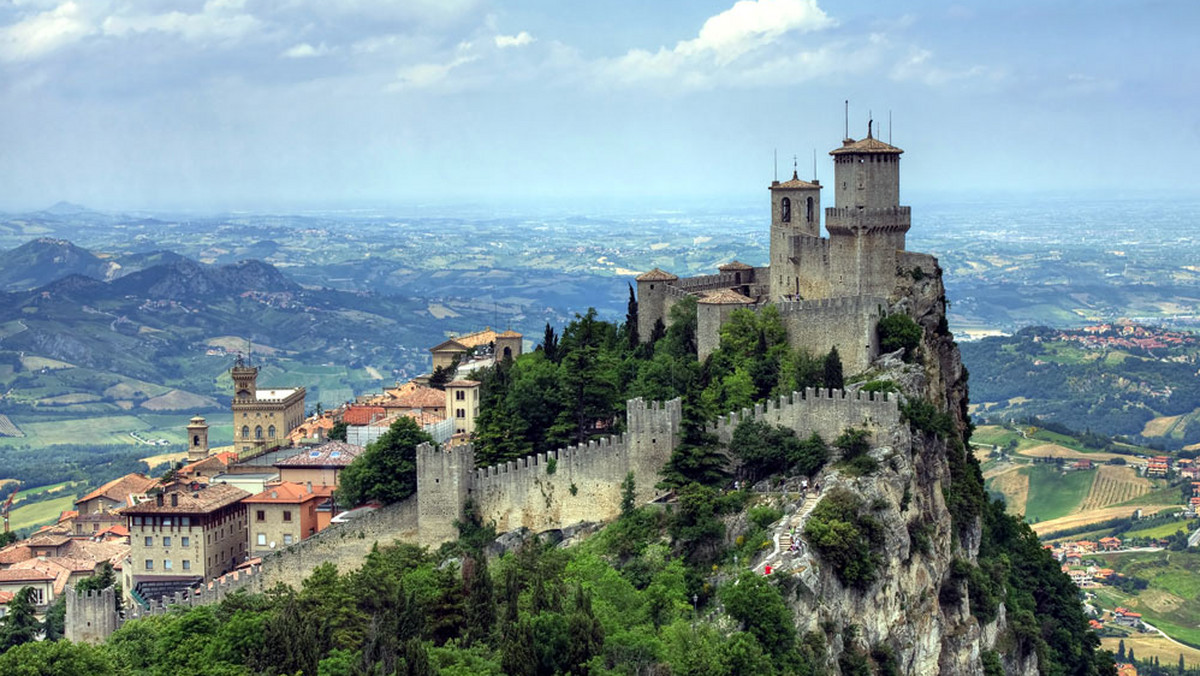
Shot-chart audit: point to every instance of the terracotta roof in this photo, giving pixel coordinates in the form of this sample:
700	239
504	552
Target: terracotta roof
290	492
331	454
421	397
15	552
422	416
462	383
24	574
655	275
735	266
118	490
795	183
218	461
509	334
477	338
48	540
202	501
726	297
363	415
867	145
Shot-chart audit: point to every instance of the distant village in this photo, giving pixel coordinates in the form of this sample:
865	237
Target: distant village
1126	336
224	508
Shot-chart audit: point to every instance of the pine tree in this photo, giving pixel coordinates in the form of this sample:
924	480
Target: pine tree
550	344
631	321
833	370
20	624
481	602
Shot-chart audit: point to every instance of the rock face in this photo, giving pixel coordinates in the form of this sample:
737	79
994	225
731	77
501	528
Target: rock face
903	609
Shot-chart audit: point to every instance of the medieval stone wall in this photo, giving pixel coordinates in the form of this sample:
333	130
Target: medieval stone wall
847	323
826	412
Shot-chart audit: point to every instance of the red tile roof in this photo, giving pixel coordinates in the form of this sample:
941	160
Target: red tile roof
119	489
203	501
363	415
290	492
656	275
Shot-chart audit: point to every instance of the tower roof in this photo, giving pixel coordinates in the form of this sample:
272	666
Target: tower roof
734	266
867	146
726	297
795	183
656	275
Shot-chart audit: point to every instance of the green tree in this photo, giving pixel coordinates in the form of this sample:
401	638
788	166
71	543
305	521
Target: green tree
845	537
56	658
549	346
102	579
338	431
898	331
481	602
833	370
387	470
55	624
631	321
628	495
20	623
757	604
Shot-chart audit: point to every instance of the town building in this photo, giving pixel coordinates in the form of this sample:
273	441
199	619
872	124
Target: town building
462	404
284	514
262	418
186	534
97	511
320	466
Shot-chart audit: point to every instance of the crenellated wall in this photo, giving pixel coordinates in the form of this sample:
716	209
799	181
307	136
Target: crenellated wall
91	616
826	412
547	490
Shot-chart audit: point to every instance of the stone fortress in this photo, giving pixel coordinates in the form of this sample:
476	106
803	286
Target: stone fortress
830	291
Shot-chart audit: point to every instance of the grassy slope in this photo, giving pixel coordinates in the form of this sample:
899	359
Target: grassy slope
1172	601
1053	493
40	513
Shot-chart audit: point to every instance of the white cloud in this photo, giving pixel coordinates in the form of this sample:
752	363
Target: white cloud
44	32
305	50
747	27
519	40
218	20
425	75
918	65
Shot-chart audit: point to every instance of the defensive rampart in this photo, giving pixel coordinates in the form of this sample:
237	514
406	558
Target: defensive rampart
847	323
826	412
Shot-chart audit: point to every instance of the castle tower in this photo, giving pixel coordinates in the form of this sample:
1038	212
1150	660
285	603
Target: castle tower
652	300
795	211
712	311
868	225
197	439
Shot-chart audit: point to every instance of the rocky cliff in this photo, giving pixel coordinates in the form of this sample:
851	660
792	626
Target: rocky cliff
934	604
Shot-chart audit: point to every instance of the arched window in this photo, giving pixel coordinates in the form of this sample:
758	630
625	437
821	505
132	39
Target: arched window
271	432
810	208
245	431
196	440
508	353
786	207
258	431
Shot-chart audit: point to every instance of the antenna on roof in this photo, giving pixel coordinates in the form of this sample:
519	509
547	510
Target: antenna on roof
870	121
889	126
776	164
249	350
847	134
814	165
795	168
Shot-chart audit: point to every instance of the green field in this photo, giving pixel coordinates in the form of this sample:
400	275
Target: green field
1165	529
1053	493
41	489
1159	496
40	513
1172	600
113	429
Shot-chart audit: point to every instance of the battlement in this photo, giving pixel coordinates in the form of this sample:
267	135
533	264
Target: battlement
721	280
873	218
826	412
840	305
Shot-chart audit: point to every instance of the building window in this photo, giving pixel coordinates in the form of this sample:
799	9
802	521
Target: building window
260	515
245	431
287	515
185	541
137	520
810	208
185	521
460	413
262	539
39	597
287	538
786	208
166	521
187	564
166	540
460	395
149	564
166	564
271	432
258	431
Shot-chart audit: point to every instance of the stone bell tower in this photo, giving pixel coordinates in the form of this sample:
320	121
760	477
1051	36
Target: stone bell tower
245	381
868	225
197	439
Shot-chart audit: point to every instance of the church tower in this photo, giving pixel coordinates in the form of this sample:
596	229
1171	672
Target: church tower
245	381
868	225
197	439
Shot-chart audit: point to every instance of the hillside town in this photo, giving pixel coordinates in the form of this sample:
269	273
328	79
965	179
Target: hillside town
221	509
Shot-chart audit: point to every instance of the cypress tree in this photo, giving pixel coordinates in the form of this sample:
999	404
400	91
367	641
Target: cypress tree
631	320
833	370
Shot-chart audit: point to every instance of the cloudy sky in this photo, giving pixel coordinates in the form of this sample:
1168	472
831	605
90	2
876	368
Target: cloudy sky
277	104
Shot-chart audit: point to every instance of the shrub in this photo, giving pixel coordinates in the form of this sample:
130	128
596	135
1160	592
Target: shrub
899	331
846	537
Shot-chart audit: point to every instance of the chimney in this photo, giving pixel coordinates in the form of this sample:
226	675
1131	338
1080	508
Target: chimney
174	499
158	499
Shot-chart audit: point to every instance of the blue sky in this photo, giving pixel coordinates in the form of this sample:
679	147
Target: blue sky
297	104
